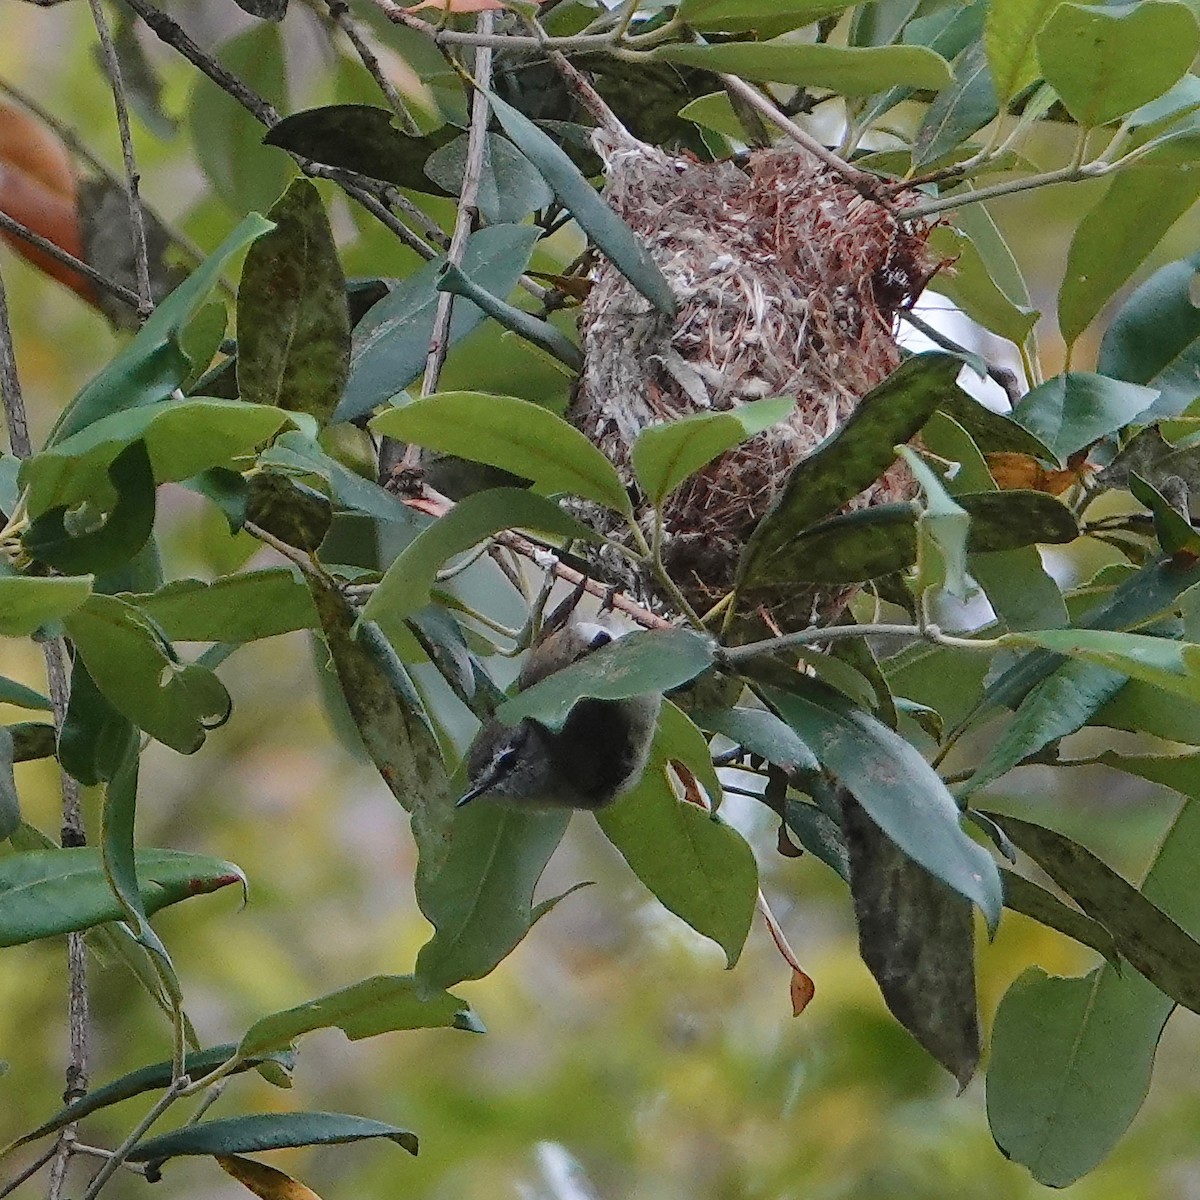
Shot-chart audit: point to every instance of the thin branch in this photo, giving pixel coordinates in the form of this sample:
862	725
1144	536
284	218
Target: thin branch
489	40
1000	375
31	1170
465	219
112	68
1069	174
111	286
10	387
368	193
734	655
339	13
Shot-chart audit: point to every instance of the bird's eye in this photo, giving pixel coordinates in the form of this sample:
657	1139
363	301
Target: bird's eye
600	638
507	758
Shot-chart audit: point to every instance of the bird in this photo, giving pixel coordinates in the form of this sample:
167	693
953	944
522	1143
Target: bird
598	755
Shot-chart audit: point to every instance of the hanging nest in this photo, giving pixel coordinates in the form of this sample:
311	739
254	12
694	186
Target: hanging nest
788	282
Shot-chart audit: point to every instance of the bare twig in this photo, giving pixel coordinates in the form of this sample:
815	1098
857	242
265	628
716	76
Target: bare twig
490	40
111	286
465	219
1000	375
137	225
339	13
31	1170
10	387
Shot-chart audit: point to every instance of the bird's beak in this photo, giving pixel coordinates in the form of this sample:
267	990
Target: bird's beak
483	784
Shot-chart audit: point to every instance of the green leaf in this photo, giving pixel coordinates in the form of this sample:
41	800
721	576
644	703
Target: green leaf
288	510
1025	897
293	325
384	705
406	585
227	139
665	455
359	137
853	71
1059	705
381	1004
44	893
735	16
1105	61
1009	35
579	198
877	541
126	527
640	663
27	603
153	364
10	805
1071	411
898	789
183	437
958	111
12	692
510	187
697	866
1146	937
1170	665
1071	1058
942	530
146	1079
1173	530
1123	227
266	1131
232	608
1154	338
848	461
477	889
94	735
126	657
515	435
391	342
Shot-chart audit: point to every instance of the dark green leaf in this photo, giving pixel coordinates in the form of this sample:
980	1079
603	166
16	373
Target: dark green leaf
12	692
515	435
1106	61
146	1079
360	138
10	805
578	197
897	788
1025	897
125	656
697	866
47	892
958	111
288	510
1173	530
406	585
126	527
94	734
665	455
819	834
1155	337
265	10
850	71
292	320
232	608
32	740
267	1131
917	937
761	732
732	16
1071	411
1150	940
27	602
638	664
1123	228
227	139
381	1004
850	460
1071	1058
391	342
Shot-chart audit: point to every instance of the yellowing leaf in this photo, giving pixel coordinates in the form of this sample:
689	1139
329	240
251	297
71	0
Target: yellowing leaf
264	1181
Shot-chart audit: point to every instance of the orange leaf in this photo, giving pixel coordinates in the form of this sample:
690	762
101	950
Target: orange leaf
1011	470
803	989
264	1181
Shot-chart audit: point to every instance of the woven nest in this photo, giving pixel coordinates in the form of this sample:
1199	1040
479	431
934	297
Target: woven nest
788	283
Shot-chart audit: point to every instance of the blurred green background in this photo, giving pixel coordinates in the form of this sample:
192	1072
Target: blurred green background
621	1060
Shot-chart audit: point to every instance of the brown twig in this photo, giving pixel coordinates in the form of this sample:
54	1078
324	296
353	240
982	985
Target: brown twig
137	225
339	13
31	1170
122	293
72	828
468	213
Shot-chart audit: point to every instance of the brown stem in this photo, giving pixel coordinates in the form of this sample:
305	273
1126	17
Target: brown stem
339	13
